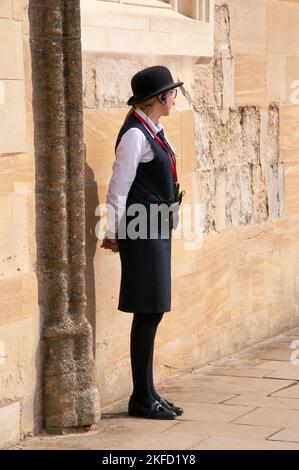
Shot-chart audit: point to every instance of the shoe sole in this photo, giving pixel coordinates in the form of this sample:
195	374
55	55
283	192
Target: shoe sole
135	414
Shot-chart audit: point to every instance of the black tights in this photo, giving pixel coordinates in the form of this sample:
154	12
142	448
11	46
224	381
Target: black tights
143	331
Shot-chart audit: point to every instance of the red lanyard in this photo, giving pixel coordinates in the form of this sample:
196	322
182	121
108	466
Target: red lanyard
171	154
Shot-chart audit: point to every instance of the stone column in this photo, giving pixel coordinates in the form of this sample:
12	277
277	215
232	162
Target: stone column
70	397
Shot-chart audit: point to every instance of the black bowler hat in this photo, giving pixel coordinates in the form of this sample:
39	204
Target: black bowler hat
150	82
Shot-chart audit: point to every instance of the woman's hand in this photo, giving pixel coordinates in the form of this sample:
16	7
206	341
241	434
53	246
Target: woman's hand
110	244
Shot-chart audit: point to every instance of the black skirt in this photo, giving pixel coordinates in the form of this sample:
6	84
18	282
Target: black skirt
145	284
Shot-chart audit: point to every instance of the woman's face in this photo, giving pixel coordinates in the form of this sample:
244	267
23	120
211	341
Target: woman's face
170	97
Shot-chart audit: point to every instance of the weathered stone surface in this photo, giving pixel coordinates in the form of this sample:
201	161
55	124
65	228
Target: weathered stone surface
235	158
10	424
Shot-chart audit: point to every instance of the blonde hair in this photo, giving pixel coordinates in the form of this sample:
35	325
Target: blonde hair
143	105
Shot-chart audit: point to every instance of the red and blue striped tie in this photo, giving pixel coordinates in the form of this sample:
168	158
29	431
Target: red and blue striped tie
163	138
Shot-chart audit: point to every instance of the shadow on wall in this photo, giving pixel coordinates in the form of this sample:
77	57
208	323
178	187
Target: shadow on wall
91	202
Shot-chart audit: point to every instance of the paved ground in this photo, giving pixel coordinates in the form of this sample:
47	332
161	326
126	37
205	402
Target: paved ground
246	401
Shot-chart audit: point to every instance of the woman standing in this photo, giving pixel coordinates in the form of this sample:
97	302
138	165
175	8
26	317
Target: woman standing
144	173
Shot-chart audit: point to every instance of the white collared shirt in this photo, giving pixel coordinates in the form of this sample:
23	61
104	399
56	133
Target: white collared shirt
132	148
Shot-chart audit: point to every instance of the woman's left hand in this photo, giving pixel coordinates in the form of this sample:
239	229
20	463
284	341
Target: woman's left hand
110	244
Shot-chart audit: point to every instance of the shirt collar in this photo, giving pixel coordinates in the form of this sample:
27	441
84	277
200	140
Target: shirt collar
156	127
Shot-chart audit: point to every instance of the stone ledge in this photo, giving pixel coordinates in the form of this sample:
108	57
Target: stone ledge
144	3
112	27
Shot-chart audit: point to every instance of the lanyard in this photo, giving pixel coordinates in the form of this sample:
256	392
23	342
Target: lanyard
171	154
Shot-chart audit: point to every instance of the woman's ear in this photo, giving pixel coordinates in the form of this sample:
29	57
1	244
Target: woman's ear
162	98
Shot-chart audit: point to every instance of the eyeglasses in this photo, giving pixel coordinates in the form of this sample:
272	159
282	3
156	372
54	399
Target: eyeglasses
174	92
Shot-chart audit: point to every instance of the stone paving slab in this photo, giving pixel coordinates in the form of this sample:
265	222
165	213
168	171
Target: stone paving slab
281	370
287	434
236	371
277	365
271	416
285	339
248	400
266	402
228	384
288	392
195	411
271	353
135	424
292	332
286	344
236	431
243	359
228	443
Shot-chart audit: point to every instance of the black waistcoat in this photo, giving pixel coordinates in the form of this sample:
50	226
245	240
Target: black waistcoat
153	182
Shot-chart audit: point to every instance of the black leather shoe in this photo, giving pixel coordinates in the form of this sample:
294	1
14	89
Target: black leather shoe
170	406
156	411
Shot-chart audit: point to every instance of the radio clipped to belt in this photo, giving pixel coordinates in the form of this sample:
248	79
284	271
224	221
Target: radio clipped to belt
178	196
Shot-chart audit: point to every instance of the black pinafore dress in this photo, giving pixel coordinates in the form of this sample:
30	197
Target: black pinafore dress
145	285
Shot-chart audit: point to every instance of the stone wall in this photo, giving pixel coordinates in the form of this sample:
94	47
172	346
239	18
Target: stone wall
19	314
234	130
